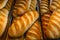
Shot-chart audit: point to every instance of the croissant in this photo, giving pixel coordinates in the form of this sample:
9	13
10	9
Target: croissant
54	24
45	20
3	3
54	5
34	33
20	7
21	24
3	19
44	6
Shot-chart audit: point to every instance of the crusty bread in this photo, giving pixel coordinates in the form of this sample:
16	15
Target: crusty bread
21	24
45	20
3	19
34	33
20	7
9	4
44	6
33	5
54	5
3	3
54	24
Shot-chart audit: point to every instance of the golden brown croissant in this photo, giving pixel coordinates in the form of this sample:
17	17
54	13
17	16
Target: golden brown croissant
45	20
44	6
54	5
34	33
3	19
3	3
21	24
54	24
20	7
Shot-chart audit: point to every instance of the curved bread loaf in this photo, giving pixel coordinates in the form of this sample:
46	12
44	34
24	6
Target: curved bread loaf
54	24
4	18
45	20
44	6
54	5
3	3
34	33
20	7
21	24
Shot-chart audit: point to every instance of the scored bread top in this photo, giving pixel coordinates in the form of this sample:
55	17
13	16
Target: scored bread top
54	23
21	24
44	6
55	4
20	7
4	17
34	33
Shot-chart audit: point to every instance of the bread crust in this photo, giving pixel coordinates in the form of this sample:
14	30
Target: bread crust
21	24
34	33
55	4
3	3
4	18
44	6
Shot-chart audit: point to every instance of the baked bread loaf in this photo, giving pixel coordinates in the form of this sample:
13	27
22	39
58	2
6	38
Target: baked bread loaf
9	4
34	33
3	19
45	20
54	5
44	6
33	5
54	24
20	7
21	24
3	3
